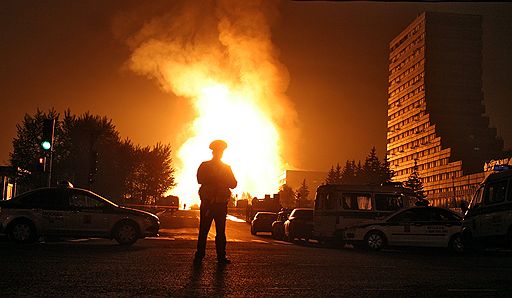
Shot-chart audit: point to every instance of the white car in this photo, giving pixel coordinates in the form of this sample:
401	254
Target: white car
488	221
73	212
416	226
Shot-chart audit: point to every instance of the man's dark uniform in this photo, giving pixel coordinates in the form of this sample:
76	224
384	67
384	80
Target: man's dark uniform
216	179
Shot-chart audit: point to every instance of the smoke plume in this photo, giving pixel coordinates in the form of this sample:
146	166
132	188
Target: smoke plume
197	44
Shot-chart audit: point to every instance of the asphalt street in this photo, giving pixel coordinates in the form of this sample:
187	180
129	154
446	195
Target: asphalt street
262	267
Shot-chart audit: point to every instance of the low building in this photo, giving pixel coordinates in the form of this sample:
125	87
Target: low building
9	176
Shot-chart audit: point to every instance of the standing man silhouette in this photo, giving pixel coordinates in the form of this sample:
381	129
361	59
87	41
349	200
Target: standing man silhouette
216	179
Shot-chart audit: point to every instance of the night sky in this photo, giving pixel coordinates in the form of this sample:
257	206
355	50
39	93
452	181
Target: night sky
73	54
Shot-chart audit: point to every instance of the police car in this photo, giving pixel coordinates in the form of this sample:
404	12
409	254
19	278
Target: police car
488	221
73	212
416	226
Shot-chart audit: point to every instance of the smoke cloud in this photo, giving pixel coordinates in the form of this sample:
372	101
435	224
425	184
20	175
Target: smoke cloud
227	41
197	43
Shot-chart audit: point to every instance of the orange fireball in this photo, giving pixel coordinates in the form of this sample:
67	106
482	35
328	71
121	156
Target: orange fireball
253	143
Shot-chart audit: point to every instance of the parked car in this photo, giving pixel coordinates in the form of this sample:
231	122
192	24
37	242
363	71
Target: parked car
299	224
488	219
73	212
416	226
262	222
278	224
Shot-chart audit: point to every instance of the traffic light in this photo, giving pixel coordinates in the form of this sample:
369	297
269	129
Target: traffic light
48	128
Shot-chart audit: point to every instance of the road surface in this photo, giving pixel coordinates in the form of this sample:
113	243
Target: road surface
262	267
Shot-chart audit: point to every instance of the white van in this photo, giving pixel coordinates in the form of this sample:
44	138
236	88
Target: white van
340	206
488	220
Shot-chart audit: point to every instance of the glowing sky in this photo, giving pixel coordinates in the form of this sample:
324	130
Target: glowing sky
74	54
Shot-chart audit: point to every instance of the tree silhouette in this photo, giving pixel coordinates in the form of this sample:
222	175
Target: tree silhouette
142	182
27	149
371	170
360	177
334	175
302	194
414	182
287	196
88	152
386	174
348	175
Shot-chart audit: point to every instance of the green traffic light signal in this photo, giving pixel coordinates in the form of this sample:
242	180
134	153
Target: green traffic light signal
47	132
46	145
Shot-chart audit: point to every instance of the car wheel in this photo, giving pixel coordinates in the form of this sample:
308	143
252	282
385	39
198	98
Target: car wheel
253	232
22	231
126	233
456	244
374	240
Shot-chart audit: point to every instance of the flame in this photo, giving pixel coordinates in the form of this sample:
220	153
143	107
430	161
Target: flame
219	54
253	142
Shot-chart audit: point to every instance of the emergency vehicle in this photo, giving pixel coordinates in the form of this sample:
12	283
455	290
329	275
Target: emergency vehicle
424	226
340	206
66	211
488	220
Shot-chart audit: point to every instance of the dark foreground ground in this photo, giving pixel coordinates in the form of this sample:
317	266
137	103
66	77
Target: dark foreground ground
262	267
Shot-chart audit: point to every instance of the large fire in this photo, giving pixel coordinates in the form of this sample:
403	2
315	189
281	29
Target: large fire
253	142
219	54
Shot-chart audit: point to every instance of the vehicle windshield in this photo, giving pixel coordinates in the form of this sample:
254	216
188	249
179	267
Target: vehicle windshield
302	213
477	197
266	215
102	198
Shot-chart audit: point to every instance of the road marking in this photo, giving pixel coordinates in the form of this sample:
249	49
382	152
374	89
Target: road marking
83	239
191	238
235	240
233	218
282	242
161	238
260	241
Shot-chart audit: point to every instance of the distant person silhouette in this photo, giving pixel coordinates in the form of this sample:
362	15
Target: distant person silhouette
216	179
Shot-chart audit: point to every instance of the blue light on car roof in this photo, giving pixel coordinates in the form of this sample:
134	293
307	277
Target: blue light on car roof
500	168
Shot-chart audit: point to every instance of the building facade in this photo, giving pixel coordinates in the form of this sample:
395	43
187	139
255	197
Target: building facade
435	106
9	176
